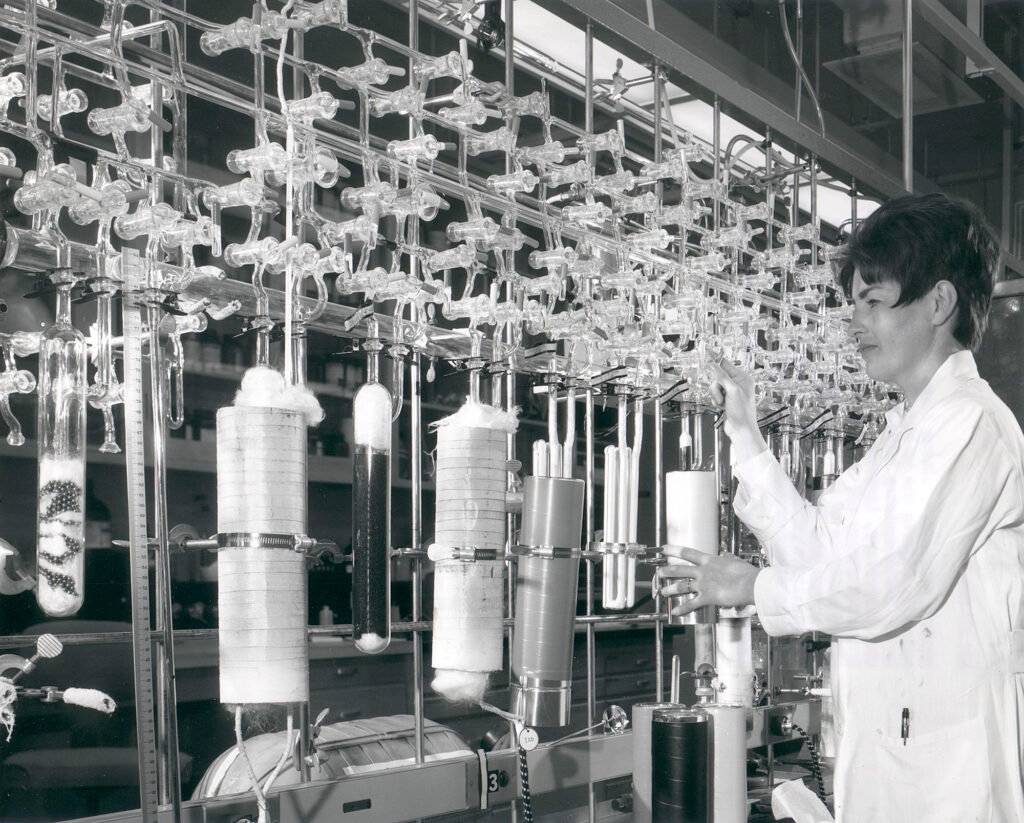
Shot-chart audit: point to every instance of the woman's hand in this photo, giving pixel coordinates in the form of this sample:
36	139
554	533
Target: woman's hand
716	580
733	392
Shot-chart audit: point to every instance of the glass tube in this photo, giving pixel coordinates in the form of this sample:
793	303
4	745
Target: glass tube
371	518
60	524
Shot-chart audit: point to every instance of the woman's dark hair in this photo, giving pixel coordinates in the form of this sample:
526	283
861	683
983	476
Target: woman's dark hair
918	240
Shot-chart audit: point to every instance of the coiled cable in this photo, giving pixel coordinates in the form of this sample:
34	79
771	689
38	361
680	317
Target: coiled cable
524	776
815	761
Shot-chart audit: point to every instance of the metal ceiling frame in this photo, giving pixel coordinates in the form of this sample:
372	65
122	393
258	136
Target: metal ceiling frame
972	46
686	48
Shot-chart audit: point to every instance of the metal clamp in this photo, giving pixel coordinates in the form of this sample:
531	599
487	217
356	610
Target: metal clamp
262	540
544	551
467	554
184	538
597	550
409	552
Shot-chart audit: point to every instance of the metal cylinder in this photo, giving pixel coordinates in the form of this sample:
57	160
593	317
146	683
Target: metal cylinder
730	761
734	658
546	583
682	757
692	514
642	717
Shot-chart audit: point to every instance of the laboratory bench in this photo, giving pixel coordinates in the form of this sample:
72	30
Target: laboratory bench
352	685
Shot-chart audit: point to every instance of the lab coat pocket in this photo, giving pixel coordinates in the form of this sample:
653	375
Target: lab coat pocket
940	776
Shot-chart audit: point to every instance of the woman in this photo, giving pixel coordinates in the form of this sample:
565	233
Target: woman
913	559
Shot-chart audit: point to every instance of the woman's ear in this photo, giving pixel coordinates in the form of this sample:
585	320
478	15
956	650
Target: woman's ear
945	302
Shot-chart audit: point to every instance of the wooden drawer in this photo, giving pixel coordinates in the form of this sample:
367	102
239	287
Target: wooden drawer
641	681
639	659
359	702
358	671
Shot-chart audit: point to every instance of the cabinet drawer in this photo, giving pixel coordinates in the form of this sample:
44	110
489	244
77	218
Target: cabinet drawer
639	682
358	703
361	671
628	660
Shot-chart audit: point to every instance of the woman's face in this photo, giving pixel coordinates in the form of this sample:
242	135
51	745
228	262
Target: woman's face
893	340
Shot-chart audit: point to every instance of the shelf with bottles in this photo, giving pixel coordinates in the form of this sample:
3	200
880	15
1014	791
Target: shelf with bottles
201	456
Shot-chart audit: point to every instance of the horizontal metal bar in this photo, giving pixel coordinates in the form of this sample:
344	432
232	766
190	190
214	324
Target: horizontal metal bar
972	46
684	47
17	641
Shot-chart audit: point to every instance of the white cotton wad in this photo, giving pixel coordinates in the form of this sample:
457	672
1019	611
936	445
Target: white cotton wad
471	481
90	699
458	686
264	387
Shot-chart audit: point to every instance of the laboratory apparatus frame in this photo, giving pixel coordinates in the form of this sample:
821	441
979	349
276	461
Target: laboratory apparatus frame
766	308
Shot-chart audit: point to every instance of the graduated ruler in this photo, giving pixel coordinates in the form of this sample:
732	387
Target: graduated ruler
135	466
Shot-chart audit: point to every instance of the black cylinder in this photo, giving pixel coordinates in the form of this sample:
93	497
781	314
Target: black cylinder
371	565
682	779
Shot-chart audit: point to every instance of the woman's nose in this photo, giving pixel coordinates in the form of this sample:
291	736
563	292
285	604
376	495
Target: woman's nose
856	327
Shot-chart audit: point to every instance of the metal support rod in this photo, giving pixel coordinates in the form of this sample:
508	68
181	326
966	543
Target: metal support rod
812	161
169	782
908	95
588	124
416	541
659	513
415	449
510	379
659	461
589	594
798	90
166	691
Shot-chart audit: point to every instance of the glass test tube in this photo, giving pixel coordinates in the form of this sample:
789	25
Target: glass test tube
371	518
60	521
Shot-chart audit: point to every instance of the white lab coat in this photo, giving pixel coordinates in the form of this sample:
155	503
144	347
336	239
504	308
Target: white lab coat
913	560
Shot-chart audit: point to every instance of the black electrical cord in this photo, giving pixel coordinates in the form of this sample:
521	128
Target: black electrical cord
815	761
524	776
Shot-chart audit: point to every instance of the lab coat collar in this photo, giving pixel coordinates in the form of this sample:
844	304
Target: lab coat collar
957	368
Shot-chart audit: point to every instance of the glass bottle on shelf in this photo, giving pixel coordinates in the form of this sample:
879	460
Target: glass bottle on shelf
60	521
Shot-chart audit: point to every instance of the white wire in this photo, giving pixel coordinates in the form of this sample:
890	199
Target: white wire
261	799
285	754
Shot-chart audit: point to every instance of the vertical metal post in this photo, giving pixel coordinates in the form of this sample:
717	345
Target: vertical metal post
813	163
659	457
416	541
798	89
166	691
167	719
853	205
510	377
588	125
1007	175
659	510
908	95
415	455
